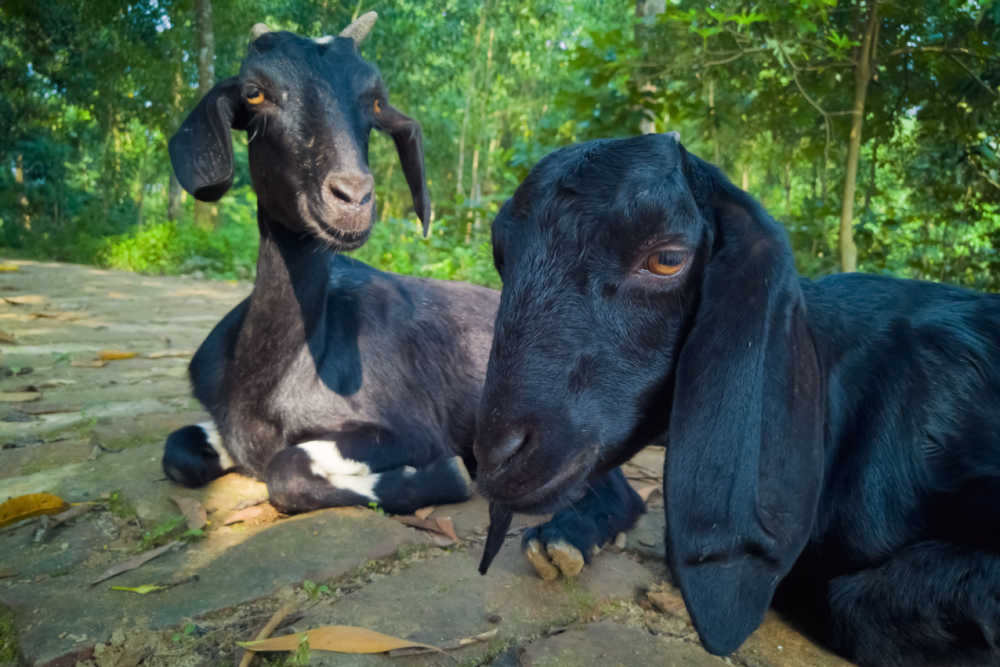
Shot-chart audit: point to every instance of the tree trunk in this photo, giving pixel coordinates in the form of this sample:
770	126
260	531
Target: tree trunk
644	39
205	214
175	194
862	77
469	92
23	199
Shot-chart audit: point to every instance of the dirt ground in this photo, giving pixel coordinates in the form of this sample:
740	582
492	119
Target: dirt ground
93	377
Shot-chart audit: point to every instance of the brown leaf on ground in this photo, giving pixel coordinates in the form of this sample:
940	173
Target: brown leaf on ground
192	510
112	355
134	562
88	363
424	512
449	645
269	627
646	491
339	638
62	315
6	572
30	505
7	338
441	526
72	513
19	396
26	299
9	267
171	354
668	601
262	513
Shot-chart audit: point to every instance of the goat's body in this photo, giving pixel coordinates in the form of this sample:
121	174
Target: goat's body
903	566
833	446
328	348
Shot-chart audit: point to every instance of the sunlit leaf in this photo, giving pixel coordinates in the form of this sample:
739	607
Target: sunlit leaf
141	590
30	505
339	638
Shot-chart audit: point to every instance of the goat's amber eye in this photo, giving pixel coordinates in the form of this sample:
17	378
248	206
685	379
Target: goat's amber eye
377	106
665	262
254	96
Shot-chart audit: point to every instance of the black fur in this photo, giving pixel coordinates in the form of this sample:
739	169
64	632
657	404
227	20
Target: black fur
384	370
839	438
378	367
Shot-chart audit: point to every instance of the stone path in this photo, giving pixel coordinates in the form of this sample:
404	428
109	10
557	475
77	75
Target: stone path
93	433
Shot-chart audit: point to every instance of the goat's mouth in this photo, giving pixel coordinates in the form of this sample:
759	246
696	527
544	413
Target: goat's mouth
344	226
523	492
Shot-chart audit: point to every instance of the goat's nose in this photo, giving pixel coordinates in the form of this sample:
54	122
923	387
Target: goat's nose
351	187
503	448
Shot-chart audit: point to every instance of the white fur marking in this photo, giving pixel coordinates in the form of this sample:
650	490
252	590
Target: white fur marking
215	442
327	462
326	39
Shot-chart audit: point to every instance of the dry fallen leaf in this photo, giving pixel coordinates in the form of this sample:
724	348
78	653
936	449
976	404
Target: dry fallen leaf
134	562
192	510
424	512
88	363
646	491
9	267
168	354
32	504
441	526
141	590
7	338
25	299
112	355
19	396
339	638
257	513
449	645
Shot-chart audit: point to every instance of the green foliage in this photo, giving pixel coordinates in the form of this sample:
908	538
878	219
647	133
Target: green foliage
91	89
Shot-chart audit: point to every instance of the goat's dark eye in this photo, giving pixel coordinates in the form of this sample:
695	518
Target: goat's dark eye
253	95
377	106
666	262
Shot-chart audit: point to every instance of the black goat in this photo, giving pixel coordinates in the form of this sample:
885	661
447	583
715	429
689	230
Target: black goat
836	440
335	383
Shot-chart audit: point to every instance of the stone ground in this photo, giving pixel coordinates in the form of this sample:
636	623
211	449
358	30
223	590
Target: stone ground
93	434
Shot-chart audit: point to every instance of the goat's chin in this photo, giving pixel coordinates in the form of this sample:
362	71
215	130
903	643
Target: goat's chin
543	496
343	228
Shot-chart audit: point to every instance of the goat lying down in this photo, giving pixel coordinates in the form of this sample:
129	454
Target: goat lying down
833	444
335	383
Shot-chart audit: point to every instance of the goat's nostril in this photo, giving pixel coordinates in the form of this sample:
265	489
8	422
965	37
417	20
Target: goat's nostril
351	187
507	446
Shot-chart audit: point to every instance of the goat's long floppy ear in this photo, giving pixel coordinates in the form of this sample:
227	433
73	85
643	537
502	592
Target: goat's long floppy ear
744	456
201	150
409	144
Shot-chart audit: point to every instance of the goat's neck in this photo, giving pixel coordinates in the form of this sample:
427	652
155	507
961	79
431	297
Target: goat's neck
288	303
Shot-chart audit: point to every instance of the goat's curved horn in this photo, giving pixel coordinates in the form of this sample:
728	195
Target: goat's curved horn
360	27
257	30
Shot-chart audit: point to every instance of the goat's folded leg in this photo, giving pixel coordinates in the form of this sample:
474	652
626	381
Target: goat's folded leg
933	603
315	474
568	541
194	456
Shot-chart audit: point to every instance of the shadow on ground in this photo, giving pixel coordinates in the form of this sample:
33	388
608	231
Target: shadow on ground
91	430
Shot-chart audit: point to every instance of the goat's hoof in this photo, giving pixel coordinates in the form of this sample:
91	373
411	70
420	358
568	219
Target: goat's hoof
554	559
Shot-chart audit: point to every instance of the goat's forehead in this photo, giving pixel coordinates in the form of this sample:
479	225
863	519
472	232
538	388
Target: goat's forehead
613	191
289	56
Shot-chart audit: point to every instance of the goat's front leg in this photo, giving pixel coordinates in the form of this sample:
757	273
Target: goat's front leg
565	543
933	603
364	467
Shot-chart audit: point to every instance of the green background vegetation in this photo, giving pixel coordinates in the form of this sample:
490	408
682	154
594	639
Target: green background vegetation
91	89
